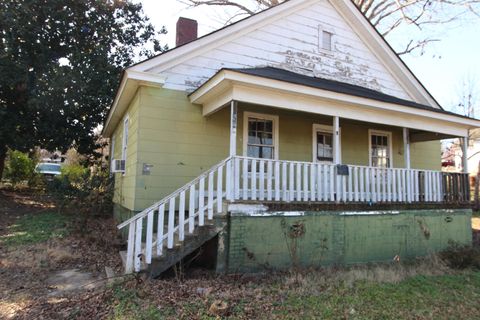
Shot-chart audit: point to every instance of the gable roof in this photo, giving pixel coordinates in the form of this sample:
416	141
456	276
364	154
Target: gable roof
346	8
352	15
334	86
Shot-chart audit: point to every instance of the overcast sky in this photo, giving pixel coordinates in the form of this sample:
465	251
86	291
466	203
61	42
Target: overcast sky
440	69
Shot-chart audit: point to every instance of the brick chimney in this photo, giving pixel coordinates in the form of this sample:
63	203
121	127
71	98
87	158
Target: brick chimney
187	30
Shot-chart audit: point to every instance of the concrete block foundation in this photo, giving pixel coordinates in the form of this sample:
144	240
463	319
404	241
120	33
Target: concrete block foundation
256	239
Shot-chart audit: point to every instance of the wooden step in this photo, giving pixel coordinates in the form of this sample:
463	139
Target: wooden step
180	250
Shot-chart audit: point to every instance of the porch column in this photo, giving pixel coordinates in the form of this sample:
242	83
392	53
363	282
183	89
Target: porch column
336	140
230	168
233	128
406	147
465	154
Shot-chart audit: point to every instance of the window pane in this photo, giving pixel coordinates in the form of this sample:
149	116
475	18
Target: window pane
269	126
253	151
326	40
266	153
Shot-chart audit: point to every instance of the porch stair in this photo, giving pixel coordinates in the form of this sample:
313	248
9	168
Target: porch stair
174	227
180	250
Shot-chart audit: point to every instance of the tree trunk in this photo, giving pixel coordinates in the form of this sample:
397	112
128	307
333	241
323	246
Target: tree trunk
3	155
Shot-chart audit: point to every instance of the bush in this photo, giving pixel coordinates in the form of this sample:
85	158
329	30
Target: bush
74	174
83	191
461	257
20	167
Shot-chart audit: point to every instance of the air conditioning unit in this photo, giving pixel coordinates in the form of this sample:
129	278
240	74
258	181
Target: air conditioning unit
118	165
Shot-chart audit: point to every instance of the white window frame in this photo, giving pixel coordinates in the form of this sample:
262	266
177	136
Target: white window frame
126	123
331	31
112	152
325	129
387	134
261	116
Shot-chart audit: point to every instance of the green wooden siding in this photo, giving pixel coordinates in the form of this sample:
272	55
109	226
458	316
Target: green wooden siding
169	133
125	184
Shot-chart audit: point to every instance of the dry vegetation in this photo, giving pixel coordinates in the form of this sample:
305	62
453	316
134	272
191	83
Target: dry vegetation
37	241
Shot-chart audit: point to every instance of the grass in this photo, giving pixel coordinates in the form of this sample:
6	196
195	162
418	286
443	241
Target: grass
31	229
129	305
449	296
420	297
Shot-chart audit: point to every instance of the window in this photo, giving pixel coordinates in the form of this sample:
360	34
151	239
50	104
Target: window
327	40
324	146
260	136
323	143
380	149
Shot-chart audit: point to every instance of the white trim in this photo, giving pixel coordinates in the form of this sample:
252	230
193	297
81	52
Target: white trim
327	129
126	123
387	134
258	90
112	152
274	118
331	31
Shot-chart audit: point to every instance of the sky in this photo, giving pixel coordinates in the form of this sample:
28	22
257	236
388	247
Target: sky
441	68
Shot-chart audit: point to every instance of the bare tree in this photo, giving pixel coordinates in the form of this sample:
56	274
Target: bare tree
386	15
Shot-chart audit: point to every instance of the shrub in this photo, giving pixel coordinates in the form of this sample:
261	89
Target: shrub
461	257
74	173
83	191
20	167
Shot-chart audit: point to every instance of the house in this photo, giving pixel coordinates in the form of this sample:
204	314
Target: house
452	155
293	137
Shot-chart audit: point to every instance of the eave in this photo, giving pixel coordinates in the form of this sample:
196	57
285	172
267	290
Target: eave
228	85
131	81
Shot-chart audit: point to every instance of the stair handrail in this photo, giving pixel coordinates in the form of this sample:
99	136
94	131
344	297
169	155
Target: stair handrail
185	187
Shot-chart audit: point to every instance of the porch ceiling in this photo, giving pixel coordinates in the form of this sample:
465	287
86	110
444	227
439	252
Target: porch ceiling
228	85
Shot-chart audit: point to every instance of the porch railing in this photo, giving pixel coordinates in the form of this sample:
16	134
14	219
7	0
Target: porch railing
250	179
279	180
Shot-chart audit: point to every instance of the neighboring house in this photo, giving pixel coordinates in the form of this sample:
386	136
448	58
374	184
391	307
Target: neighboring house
297	132
452	155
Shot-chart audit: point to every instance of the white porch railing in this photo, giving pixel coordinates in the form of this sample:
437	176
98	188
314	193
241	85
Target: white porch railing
250	179
278	180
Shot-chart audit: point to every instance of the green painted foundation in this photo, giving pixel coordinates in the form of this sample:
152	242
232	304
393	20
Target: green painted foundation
258	241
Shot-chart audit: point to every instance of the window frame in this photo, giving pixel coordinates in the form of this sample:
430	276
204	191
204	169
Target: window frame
126	123
325	129
388	134
112	152
331	31
261	116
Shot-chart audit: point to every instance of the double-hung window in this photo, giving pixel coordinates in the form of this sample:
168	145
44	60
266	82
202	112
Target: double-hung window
260	136
380	149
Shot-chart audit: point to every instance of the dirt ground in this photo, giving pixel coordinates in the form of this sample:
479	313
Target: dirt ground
36	278
30	275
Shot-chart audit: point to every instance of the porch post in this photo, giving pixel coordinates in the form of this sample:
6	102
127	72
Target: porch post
336	140
233	128
465	154
406	147
230	168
